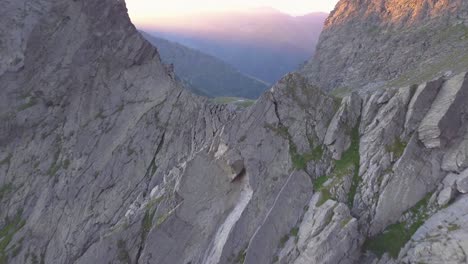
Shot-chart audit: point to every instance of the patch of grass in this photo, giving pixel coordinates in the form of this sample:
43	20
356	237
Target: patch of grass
7	233
326	195
275	259
246	103
55	166
6	160
394	237
319	182
453	227
397	148
352	157
240	258
283	240
391	241
294	231
147	223
349	162
32	102
122	254
299	161
315	155
164	217
17	249
345	222
5	190
224	100
242	102
100	114
66	164
341	92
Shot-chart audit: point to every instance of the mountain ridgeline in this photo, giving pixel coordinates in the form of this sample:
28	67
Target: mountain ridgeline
263	43
204	74
106	158
390	43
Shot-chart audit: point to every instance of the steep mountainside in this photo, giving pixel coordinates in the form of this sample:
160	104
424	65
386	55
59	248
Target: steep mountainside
368	42
104	158
265	44
204	74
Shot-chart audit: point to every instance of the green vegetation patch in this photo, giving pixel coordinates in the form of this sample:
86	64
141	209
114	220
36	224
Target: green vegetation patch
148	218
122	253
351	159
57	164
349	162
394	238
240	258
147	223
283	240
242	102
319	182
340	92
32	102
326	195
5	190
397	148
345	222
7	233
351	156
453	227
6	160
299	161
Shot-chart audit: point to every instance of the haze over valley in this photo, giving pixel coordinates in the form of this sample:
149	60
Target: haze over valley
263	43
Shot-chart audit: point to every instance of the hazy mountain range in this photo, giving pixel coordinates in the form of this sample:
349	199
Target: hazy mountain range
204	74
263	43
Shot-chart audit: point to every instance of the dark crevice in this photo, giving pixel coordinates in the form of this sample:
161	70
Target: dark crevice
239	176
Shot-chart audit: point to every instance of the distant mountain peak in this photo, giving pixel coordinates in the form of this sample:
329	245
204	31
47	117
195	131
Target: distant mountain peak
390	40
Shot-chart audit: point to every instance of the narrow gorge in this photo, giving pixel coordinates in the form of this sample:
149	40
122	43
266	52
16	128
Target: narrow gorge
361	157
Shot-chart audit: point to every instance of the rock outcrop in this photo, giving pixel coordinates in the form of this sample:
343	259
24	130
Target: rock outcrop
104	158
367	43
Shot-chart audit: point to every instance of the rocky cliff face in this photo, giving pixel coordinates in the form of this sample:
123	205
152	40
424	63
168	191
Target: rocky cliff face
369	42
105	159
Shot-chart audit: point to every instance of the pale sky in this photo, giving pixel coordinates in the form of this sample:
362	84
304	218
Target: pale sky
144	11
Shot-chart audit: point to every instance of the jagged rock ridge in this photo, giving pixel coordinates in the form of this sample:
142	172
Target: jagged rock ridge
105	159
367	43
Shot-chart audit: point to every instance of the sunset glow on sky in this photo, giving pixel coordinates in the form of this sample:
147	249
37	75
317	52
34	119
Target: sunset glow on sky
146	11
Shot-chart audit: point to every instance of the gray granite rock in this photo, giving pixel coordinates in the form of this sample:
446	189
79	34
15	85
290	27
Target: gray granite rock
104	158
445	196
366	43
462	182
442	121
442	238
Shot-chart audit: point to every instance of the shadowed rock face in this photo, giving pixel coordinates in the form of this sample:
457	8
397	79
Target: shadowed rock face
366	43
105	159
